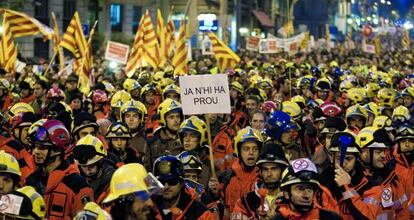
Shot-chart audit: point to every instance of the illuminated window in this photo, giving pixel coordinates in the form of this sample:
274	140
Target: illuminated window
136	18
116	12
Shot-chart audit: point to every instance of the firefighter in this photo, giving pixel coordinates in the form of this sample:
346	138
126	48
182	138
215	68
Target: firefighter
92	211
65	191
176	200
90	155
32	205
130	193
356	118
166	139
299	184
84	124
257	203
10	175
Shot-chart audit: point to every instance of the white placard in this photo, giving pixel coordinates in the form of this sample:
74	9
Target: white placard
201	94
20	66
117	52
206	47
369	48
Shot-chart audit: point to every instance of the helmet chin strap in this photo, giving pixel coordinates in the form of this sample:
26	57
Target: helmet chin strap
49	159
300	208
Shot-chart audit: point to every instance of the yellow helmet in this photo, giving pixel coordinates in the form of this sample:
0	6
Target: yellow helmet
292	108
9	164
129	179
301	170
119	98
299	100
333	64
169	89
355	110
147	88
237	86
168	105
265	84
255	80
356	95
118	130
89	150
373	108
131	84
144	77
372	89
157	77
20	107
323	84
164	83
409	91
244	135
135	106
386	97
401	113
38	204
194	125
92	211
382	121
366	138
345	85
109	87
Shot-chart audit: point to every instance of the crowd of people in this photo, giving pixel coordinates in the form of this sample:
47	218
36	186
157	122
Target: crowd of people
317	135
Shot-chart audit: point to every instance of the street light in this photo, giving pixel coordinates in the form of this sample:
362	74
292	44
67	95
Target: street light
388	3
382	1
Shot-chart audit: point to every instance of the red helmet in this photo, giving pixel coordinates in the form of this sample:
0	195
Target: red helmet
53	133
331	109
269	106
99	96
55	93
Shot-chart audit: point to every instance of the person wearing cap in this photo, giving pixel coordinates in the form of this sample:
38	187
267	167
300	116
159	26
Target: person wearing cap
176	200
32	205
90	155
393	202
299	185
166	139
65	191
130	193
120	151
83	124
323	89
71	86
260	202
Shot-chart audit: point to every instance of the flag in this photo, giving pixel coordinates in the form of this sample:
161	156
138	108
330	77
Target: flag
8	48
135	56
21	25
327	37
151	51
224	55
179	60
162	39
56	43
377	42
349	38
406	40
170	39
86	68
305	41
73	39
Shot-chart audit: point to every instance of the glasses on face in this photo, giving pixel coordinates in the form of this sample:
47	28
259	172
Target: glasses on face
170	182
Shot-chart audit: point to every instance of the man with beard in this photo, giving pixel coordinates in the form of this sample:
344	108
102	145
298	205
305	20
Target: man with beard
177	201
90	154
65	191
374	143
257	203
166	139
39	90
299	185
129	197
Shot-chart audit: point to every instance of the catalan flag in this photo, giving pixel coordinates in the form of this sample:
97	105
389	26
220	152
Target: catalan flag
179	60
56	41
305	41
377	42
85	71
224	55
73	39
8	48
327	37
21	25
135	56
406	40
170	39
162	39
151	51
349	38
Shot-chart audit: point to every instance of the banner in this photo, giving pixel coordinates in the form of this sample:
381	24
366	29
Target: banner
201	94
369	48
268	46
253	43
116	52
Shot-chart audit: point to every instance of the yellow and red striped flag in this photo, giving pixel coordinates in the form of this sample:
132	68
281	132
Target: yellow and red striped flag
224	55
349	38
377	43
406	40
73	39
179	60
151	51
328	37
135	57
162	39
8	48
170	39
21	25
56	43
86	68
305	41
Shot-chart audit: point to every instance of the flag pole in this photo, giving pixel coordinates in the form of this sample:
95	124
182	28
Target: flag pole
50	63
210	146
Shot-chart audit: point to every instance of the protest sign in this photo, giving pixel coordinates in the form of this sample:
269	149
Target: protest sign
253	43
116	52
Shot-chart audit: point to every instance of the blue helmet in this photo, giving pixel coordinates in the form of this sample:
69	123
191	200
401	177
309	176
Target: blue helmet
279	122
168	167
